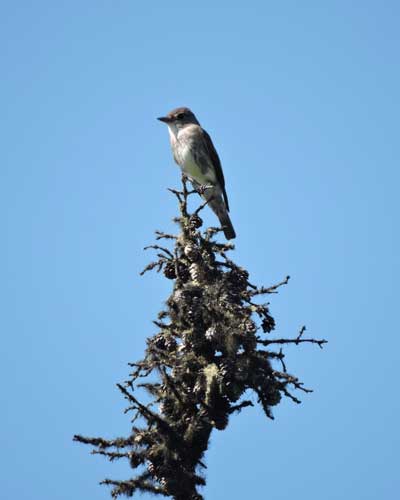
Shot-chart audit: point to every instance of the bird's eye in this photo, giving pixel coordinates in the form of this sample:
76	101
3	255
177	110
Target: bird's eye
180	116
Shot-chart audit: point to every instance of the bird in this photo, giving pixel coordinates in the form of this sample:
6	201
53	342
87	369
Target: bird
194	151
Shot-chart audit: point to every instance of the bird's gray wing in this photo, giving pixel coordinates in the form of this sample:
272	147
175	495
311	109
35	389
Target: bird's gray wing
213	155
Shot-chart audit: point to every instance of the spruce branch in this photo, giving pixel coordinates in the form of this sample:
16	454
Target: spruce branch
200	364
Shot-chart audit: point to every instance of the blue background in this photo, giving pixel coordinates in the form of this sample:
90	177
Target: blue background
302	102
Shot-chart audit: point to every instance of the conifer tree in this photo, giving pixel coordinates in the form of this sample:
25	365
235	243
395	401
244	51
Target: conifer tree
214	346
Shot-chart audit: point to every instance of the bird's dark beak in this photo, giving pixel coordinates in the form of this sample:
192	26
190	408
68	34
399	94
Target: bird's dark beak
165	119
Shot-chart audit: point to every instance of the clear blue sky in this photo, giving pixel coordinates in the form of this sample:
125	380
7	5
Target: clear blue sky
302	101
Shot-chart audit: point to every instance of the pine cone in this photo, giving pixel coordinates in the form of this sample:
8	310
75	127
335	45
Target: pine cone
268	324
135	460
195	221
159	341
196	273
249	326
169	271
239	277
164	342
151	468
183	272
192	252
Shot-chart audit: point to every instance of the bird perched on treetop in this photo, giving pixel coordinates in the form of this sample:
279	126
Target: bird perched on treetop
195	153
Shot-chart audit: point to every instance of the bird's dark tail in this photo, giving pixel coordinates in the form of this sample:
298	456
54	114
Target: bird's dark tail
226	224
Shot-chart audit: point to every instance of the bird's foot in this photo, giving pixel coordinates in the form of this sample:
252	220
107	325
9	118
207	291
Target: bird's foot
203	188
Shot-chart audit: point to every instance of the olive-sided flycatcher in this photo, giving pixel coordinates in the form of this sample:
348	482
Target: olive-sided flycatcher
195	153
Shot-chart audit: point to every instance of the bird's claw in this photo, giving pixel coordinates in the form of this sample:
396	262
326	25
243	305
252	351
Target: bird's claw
203	188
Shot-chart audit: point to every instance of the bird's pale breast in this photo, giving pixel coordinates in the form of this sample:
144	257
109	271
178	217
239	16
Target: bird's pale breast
183	151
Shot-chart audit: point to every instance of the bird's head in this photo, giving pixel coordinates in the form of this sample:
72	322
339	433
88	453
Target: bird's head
178	118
